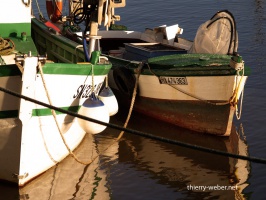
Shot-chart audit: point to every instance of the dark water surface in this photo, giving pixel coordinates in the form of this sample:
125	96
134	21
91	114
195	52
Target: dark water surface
140	168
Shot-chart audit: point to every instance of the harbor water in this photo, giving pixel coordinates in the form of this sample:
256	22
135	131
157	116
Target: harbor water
138	168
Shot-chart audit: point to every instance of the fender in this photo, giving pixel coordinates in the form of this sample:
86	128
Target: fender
54	9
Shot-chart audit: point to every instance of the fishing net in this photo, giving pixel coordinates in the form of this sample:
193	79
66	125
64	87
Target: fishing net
217	36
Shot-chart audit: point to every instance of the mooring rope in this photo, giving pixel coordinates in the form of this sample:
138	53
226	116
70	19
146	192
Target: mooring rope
234	98
57	124
132	100
130	109
139	133
7	46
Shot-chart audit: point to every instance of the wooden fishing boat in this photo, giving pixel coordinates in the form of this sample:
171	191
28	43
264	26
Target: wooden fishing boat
189	84
32	137
193	84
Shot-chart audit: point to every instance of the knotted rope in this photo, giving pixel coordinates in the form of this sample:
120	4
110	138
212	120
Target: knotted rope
6	46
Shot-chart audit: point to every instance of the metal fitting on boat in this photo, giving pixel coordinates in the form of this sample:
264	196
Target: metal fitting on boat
42	59
21	58
23	36
237	63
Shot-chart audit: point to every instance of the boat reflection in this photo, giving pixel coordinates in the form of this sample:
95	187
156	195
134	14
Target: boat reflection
72	180
121	167
180	167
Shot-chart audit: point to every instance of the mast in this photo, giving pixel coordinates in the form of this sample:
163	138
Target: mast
93	13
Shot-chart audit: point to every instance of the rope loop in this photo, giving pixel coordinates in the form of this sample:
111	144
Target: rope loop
7	46
237	92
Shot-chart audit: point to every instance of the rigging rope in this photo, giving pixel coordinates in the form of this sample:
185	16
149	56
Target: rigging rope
40	12
140	133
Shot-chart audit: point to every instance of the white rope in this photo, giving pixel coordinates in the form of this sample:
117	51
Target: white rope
238	116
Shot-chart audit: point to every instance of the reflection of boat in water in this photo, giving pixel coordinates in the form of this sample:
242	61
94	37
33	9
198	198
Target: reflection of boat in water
71	180
180	167
242	167
125	167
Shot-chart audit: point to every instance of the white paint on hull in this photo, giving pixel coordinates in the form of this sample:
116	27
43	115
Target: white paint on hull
42	146
31	148
64	92
216	88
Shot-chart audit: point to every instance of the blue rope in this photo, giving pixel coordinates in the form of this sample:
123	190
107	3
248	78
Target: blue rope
87	57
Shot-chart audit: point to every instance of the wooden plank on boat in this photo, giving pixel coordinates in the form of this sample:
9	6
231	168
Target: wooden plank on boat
144	51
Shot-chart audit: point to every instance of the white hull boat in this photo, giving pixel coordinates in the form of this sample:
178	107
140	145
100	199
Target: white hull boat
33	138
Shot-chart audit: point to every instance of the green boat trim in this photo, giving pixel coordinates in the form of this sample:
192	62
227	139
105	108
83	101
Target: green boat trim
184	65
179	60
8	114
15	29
9	70
194	65
37	112
76	69
47	112
59	69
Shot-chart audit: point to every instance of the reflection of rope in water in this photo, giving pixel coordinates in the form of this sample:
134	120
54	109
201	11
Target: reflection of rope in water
242	134
139	133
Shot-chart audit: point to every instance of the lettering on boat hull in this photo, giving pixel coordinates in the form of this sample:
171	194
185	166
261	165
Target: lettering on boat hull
173	80
84	91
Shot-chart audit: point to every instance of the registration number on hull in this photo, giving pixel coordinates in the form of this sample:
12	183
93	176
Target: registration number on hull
173	80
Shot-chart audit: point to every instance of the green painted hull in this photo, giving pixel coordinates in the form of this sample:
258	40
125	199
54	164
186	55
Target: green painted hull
182	65
57	47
